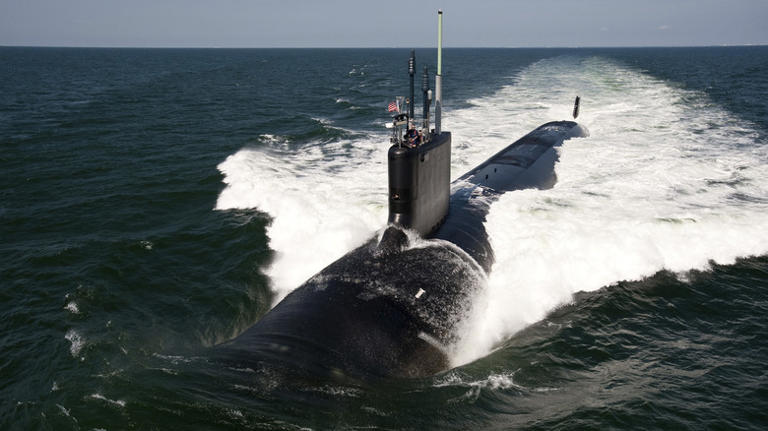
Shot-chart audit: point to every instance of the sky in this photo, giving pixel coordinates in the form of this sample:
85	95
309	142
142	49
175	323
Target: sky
382	23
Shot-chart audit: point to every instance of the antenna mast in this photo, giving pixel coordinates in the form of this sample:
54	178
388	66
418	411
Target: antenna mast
411	71
439	76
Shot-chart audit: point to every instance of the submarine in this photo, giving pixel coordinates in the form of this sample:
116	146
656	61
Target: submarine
392	307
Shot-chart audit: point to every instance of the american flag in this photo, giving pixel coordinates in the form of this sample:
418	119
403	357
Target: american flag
393	107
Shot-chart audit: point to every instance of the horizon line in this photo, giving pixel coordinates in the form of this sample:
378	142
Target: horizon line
383	47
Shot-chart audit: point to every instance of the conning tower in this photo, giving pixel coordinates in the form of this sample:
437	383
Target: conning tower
420	161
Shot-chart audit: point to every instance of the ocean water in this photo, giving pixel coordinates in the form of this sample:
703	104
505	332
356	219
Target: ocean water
155	203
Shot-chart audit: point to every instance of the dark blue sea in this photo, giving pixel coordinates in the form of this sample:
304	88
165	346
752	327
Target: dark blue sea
155	203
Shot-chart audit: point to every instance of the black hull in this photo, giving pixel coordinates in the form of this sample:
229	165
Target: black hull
388	308
528	163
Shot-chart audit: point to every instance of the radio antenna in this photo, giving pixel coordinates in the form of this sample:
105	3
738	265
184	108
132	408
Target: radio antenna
439	76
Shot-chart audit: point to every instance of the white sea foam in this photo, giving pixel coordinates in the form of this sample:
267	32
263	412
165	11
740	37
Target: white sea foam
77	342
323	121
307	194
494	382
100	397
664	182
72	307
174	359
272	139
234	413
667	180
65	411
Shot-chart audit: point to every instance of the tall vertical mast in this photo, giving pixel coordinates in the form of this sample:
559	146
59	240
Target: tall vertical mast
427	96
439	77
411	71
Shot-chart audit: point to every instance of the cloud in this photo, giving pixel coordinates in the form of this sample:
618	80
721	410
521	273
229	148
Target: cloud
663	27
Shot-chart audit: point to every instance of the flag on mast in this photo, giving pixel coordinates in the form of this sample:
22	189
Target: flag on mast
393	107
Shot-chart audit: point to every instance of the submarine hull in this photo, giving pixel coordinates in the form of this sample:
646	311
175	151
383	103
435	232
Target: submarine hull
528	163
391	307
370	313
